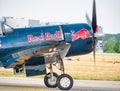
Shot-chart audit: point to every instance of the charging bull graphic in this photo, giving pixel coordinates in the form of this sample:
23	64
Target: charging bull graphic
83	34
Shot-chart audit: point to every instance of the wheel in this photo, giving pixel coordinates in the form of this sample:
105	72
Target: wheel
49	82
65	82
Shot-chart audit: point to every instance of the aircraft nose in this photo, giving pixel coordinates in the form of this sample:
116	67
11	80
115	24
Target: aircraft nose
99	34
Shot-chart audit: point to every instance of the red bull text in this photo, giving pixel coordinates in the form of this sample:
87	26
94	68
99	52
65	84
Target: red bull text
46	36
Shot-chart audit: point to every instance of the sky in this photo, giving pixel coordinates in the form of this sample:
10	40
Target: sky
71	11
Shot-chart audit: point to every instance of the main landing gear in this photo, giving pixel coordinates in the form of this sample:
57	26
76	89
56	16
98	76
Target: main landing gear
63	81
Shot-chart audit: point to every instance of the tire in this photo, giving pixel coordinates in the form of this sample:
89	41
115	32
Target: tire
65	82
48	82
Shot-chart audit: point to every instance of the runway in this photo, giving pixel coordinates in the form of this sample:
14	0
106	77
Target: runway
37	84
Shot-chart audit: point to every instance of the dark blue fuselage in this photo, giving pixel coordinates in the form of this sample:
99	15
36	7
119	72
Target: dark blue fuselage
18	40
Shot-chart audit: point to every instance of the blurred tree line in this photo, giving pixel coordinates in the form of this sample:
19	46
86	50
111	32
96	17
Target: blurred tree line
111	43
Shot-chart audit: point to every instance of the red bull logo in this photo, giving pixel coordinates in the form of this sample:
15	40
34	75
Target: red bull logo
83	34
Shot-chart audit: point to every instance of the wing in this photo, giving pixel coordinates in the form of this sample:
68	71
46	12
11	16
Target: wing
48	49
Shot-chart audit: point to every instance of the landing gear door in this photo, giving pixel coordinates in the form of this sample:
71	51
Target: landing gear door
35	66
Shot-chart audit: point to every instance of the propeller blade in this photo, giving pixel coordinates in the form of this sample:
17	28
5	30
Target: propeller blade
94	26
94	47
94	18
88	20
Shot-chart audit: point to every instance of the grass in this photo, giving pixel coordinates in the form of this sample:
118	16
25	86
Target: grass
107	67
82	67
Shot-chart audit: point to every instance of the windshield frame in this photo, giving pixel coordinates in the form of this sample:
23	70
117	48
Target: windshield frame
7	29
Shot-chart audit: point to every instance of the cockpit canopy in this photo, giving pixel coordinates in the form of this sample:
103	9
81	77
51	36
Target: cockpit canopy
5	29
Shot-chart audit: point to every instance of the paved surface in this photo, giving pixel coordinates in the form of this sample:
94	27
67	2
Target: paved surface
37	84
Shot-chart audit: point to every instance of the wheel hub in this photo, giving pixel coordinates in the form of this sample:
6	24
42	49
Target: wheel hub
52	81
65	82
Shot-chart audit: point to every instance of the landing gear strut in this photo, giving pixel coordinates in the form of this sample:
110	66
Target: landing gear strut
52	80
